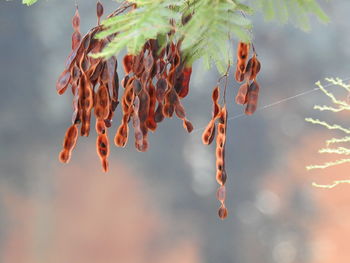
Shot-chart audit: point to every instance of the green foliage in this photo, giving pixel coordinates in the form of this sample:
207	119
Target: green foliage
295	11
208	33
29	2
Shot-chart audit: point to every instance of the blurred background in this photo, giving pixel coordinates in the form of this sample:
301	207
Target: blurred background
160	206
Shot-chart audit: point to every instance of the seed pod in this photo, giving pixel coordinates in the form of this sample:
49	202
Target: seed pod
102	146
128	63
100	126
99	11
222	212
185	82
242	52
151	123
137	87
180	111
252	98
241	97
159	116
76	38
221	194
69	143
102	103
76	20
253	68
121	136
188	125
209	133
63	82
161	87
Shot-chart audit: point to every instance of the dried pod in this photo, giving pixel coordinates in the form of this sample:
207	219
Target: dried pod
185	82
161	88
99	11
102	146
221	194
69	143
253	68
241	97
76	20
76	38
151	123
252	98
223	212
102	103
128	63
209	133
188	125
159	116
242	51
63	82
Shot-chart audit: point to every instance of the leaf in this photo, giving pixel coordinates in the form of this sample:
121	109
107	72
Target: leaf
29	2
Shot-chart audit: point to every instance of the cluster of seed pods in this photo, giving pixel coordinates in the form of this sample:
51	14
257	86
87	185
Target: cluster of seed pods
94	84
217	126
248	92
155	82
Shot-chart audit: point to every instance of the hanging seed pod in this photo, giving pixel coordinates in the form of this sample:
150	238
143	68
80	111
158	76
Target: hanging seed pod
242	55
99	12
63	82
69	143
128	63
150	122
252	98
76	20
188	125
209	133
241	97
253	68
76	38
102	103
223	212
102	146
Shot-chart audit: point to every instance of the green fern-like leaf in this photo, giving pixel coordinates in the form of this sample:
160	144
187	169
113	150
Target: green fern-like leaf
295	11
29	2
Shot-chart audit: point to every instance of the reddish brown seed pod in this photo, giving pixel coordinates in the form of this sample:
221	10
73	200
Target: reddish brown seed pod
185	82
102	146
222	212
99	11
215	98
253	68
221	177
63	82
100	126
150	122
242	51
208	134
76	38
121	136
69	143
239	76
76	20
161	87
188	125
128	63
102	103
180	111
159	116
221	194
252	98
241	97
